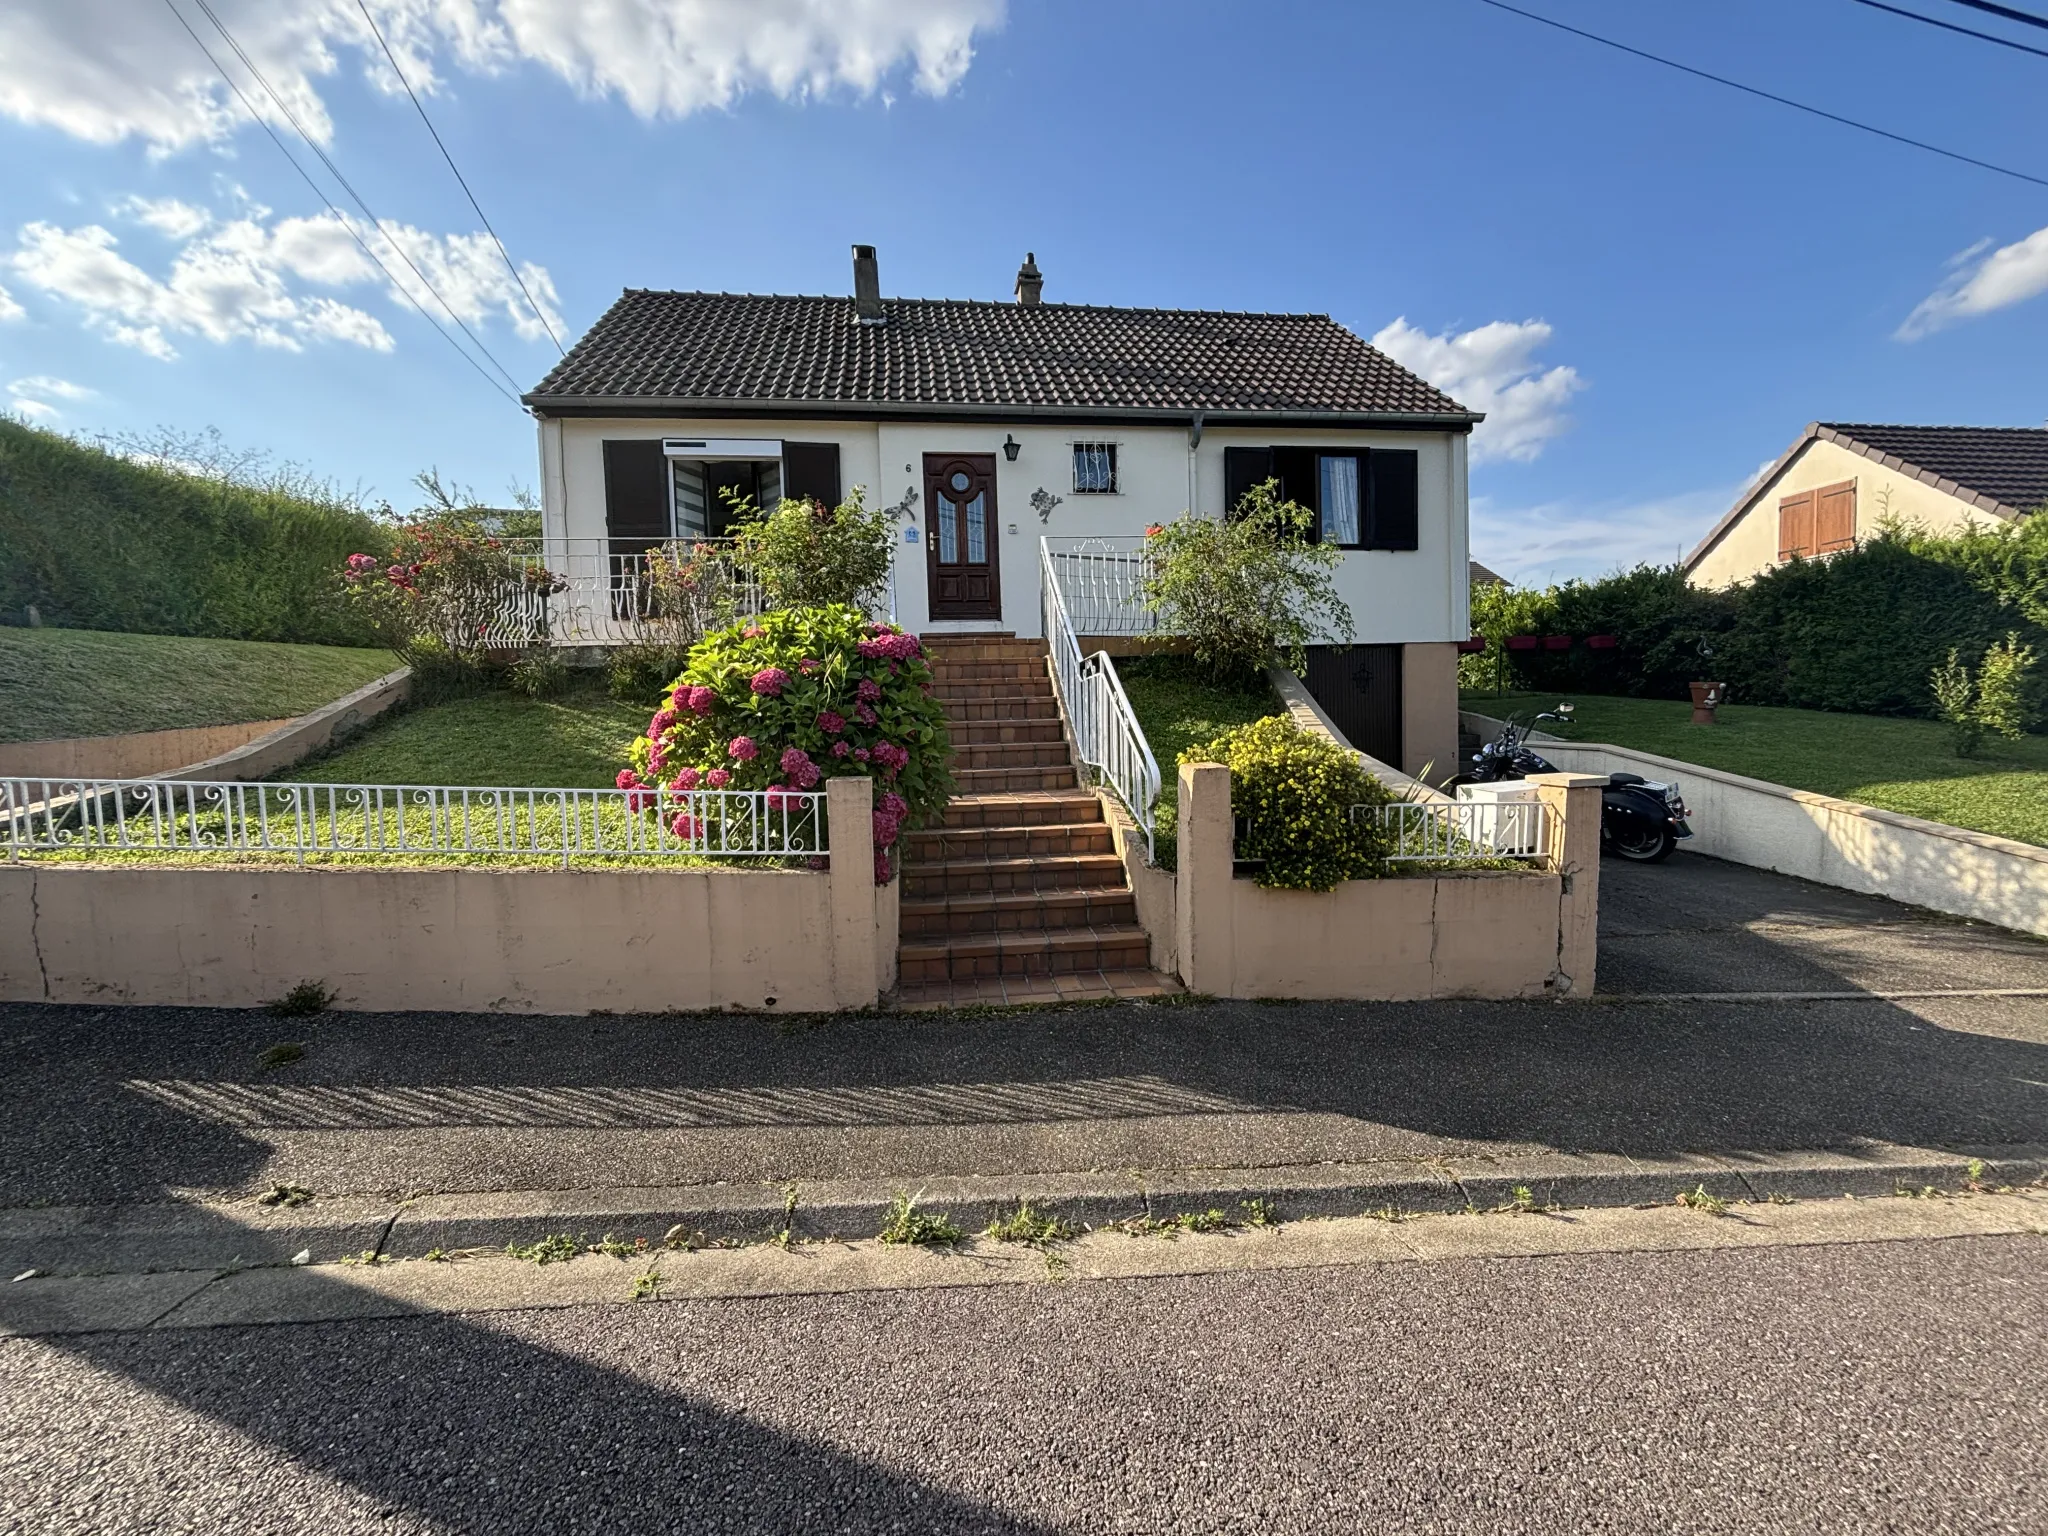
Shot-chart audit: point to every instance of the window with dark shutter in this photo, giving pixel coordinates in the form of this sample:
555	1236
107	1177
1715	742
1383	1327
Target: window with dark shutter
810	472
636	491
1295	469
1393	505
1834	517
1244	468
1795	525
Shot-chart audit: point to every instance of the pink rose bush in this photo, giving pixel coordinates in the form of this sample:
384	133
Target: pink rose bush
789	699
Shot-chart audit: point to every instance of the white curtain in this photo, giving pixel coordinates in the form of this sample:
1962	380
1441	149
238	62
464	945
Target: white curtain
1340	500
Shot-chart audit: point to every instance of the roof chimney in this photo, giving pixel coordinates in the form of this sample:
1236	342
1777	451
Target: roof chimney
867	286
1029	283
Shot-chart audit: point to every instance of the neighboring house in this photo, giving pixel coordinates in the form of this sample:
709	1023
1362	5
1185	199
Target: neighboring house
1484	577
1840	483
992	425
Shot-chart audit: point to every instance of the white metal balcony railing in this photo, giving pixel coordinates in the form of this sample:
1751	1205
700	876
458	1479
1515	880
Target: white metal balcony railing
1102	584
128	816
612	596
1462	831
1107	735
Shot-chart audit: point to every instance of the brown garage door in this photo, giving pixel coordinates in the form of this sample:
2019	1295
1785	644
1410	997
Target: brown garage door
1360	687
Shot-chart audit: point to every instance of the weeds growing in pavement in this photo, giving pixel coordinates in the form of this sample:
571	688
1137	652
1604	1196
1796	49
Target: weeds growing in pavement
688	1239
1029	1224
618	1247
647	1284
1924	1192
304	1000
1394	1213
1259	1213
1698	1199
436	1255
1170	1227
556	1248
782	1238
1522	1199
367	1256
1776	1198
905	1223
1974	1179
283	1054
285	1195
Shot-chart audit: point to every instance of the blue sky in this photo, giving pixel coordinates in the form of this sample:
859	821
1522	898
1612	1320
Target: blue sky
1653	282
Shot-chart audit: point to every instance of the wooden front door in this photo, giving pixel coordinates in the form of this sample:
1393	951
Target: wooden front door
962	553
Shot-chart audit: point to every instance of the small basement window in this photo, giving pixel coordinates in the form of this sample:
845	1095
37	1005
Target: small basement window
1095	468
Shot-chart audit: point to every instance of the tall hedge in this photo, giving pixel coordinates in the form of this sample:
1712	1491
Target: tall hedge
1859	631
94	540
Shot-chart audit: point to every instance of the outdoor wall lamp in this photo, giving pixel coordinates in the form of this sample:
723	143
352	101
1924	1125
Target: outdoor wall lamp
1011	448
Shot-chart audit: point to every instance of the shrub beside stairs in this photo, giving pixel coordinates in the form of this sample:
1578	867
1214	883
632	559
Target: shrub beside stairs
1018	894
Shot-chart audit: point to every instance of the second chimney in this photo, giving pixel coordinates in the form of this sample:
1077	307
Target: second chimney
1030	284
867	285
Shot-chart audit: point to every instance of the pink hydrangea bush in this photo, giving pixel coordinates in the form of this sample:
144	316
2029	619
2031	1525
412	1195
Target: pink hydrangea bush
791	698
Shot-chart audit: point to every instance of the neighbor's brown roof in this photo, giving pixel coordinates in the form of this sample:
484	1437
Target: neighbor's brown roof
2000	470
675	351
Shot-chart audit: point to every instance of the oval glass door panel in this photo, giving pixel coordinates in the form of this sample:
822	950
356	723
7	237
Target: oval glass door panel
961	551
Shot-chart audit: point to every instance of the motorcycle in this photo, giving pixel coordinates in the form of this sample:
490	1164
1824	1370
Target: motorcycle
1640	819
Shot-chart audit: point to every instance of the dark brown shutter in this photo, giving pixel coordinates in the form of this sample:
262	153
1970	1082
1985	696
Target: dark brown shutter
1834	517
1244	468
1393	499
635	489
1795	525
810	472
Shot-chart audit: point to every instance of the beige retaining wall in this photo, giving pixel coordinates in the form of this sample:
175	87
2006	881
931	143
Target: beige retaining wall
1481	934
132	756
1839	842
518	941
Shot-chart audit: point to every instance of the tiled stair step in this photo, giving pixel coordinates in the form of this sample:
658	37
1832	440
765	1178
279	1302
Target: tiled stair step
967	877
998	842
1002	733
1047	953
1037	692
1016	706
1029	808
1019	911
1018	754
1010	781
949	673
988	650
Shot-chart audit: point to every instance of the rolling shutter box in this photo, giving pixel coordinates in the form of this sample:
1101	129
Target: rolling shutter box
1795	525
635	489
1244	468
810	472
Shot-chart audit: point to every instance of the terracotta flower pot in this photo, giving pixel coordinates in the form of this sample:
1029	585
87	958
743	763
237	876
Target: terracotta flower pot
1706	698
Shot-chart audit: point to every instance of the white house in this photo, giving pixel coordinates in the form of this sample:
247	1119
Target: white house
1839	483
1007	433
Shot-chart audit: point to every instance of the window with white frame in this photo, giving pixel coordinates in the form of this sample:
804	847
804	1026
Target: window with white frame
1095	468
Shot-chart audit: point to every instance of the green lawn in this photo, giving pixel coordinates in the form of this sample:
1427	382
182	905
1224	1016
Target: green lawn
577	741
1900	765
86	682
1176	709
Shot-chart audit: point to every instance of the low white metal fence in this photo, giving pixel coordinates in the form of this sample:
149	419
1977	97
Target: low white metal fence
1107	735
1102	583
1462	831
408	821
613	596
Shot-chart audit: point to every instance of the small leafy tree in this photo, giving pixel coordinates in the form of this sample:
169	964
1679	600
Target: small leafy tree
1294	792
1999	698
806	555
1955	700
1248	589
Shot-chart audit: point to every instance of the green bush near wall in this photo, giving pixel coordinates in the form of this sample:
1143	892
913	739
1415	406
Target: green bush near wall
1857	632
93	540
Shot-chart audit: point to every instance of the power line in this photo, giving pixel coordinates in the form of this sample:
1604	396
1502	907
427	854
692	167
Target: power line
1783	101
1949	26
2006	11
418	107
355	196
339	217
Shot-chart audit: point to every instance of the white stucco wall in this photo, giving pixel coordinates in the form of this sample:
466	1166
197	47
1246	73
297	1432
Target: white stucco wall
1749	547
1395	596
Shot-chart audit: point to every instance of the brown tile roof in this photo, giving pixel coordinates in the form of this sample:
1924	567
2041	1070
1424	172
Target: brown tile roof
674	350
2009	465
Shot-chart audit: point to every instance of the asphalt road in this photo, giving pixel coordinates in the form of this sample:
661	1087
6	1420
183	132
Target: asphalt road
1890	1386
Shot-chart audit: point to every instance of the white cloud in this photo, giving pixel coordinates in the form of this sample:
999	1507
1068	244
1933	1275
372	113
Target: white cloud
1980	281
1555	541
107	70
9	309
170	216
1492	368
32	396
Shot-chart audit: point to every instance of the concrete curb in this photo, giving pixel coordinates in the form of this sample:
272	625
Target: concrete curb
83	1240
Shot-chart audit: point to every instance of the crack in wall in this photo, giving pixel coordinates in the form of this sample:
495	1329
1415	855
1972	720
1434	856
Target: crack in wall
35	930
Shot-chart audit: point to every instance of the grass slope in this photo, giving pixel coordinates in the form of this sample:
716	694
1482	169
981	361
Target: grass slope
83	682
577	741
1897	764
1177	708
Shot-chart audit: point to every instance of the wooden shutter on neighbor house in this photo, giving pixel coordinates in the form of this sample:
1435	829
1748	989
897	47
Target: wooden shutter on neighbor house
1795	525
635	489
810	472
1243	468
1834	517
1393	507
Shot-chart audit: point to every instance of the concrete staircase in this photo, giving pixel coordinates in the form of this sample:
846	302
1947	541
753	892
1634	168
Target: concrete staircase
1018	894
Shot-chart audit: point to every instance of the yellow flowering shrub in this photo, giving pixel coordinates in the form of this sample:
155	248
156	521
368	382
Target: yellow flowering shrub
1292	793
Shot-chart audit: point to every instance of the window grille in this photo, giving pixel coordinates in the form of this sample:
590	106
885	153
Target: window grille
1095	468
